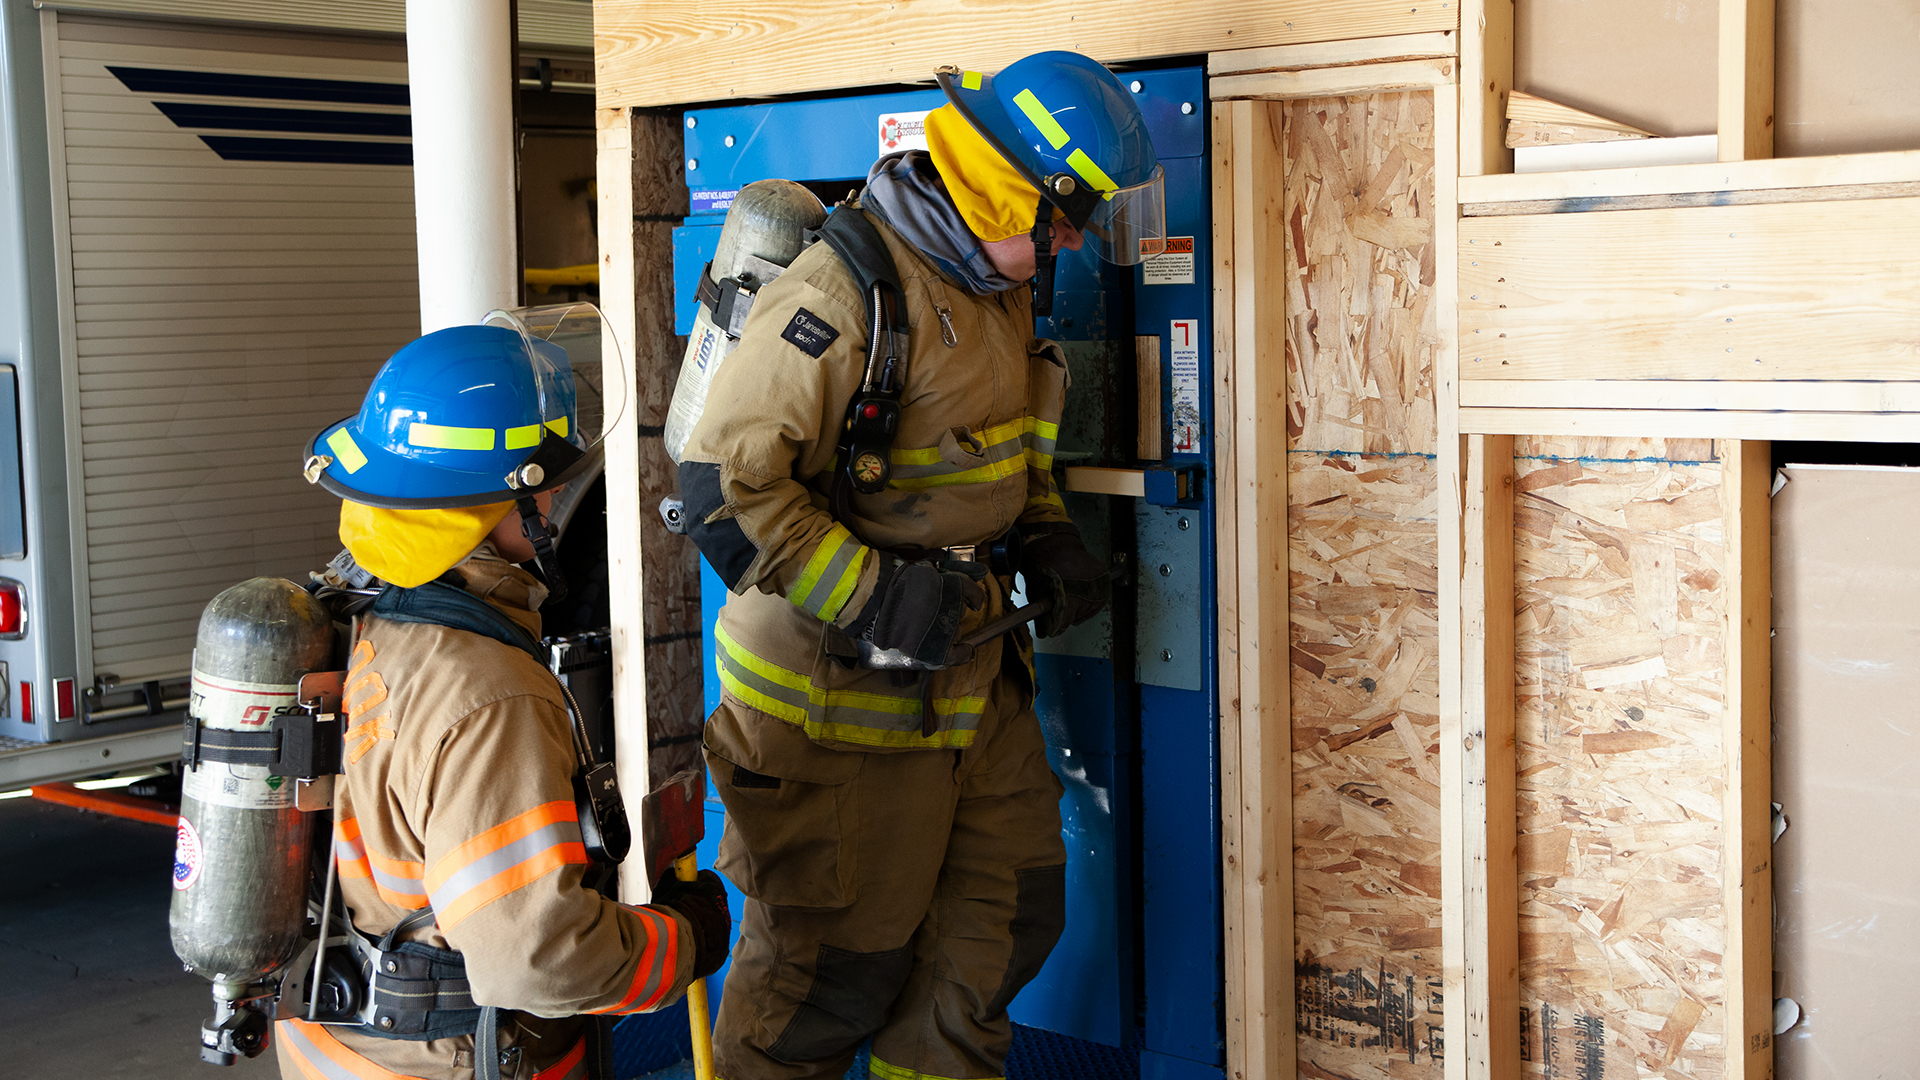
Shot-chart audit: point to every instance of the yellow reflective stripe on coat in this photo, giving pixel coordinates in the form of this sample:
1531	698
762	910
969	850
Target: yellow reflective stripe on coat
860	717
1006	450
881	1070
830	576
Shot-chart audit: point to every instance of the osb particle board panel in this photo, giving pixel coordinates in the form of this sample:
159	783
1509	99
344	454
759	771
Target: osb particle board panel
1366	720
650	52
1812	290
1649	63
1363	503
1620	554
1360	271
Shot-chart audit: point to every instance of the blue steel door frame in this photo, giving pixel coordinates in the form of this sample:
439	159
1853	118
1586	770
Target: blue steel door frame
1140	966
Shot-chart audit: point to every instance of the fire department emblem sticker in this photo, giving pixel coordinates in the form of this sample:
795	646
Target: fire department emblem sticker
186	856
868	468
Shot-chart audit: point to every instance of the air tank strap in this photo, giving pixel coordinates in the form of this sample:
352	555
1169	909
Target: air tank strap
301	744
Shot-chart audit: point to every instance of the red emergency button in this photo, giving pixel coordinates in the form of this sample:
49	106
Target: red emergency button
870	411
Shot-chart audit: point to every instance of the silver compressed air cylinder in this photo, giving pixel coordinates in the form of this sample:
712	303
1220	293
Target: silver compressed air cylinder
764	232
242	856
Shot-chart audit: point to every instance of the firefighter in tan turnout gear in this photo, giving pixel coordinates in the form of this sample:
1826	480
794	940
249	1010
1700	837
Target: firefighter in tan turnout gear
891	816
458	824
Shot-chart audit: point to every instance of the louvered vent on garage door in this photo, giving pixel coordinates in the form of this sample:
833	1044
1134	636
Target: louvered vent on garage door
240	210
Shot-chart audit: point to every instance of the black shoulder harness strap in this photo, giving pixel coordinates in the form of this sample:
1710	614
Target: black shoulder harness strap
873	415
603	815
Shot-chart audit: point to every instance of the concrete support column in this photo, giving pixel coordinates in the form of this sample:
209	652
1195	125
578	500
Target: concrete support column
458	54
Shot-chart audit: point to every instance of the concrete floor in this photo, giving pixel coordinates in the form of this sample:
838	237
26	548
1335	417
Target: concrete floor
89	986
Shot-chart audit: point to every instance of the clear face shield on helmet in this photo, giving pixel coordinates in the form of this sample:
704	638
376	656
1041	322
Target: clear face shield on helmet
581	390
1130	225
586	389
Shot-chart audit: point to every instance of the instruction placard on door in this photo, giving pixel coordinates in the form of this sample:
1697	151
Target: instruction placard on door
1184	415
1173	266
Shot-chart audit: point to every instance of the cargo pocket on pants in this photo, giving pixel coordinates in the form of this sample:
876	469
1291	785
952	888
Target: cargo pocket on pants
789	813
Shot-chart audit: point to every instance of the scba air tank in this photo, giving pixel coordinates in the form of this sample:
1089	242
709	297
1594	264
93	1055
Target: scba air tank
241	863
765	230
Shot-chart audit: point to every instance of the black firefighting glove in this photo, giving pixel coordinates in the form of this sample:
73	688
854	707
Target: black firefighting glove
1057	566
704	902
916	607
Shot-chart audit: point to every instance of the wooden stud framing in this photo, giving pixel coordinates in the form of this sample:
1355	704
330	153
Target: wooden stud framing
1329	54
1746	79
1487	195
1334	82
1491	946
651	52
1256	773
1796	291
1747	742
1705	395
615	185
1486	77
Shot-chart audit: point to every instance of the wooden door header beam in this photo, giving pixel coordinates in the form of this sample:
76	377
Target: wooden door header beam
650	53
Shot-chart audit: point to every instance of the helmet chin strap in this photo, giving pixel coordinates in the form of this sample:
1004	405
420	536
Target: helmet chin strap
1043	259
534	526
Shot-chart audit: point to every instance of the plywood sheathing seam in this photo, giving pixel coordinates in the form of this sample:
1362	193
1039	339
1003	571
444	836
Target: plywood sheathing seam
1620	561
1362	533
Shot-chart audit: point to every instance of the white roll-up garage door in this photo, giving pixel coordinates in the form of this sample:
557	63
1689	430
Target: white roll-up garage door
240	243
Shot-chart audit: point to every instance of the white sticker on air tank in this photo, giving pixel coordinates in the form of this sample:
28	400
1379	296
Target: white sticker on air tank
186	855
240	787
237	705
902	131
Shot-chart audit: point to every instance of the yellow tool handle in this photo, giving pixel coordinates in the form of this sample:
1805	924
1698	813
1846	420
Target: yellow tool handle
686	869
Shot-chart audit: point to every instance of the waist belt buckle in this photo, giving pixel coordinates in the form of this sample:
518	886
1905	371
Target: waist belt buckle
963	553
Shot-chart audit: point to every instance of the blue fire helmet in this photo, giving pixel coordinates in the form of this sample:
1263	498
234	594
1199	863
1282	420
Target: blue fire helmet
467	416
1067	124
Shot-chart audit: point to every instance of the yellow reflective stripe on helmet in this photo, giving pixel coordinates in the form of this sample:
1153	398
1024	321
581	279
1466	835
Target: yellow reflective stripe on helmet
346	451
1095	177
439	437
1042	119
830	576
970	80
519	438
559	426
1092	174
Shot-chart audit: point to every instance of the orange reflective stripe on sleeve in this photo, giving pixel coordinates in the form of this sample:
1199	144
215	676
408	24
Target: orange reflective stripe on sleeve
504	858
398	881
571	1067
320	1056
655	973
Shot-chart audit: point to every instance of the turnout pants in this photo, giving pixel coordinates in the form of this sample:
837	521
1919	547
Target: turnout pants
903	896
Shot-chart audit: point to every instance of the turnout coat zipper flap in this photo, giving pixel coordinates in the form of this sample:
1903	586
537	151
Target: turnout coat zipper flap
972	459
458	791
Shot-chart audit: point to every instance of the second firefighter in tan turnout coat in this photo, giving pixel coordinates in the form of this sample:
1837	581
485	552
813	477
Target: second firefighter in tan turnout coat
896	833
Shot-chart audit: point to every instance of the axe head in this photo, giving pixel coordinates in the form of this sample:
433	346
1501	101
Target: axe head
673	820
